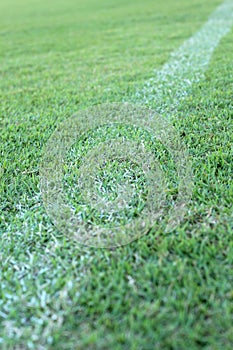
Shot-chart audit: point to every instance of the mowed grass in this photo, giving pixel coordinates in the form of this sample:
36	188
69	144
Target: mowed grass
164	291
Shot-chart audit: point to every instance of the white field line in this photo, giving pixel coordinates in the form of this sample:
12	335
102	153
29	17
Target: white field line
188	64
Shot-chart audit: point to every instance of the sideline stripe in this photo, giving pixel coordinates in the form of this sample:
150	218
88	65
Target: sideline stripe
188	64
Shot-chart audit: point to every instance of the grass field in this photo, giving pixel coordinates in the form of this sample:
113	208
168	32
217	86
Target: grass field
171	291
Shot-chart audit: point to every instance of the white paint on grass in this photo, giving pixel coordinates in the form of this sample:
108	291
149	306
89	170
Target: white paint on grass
173	82
188	64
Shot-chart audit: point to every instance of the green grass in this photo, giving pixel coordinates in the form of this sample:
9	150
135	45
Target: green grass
168	291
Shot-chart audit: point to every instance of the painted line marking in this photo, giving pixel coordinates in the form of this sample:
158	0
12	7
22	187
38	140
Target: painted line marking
188	64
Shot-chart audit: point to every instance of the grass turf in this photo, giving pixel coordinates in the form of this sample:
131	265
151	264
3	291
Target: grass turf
164	291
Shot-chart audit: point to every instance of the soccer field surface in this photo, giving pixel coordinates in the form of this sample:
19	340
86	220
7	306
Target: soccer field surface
170	289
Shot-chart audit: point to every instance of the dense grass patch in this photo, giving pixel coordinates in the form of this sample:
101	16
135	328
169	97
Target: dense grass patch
164	291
